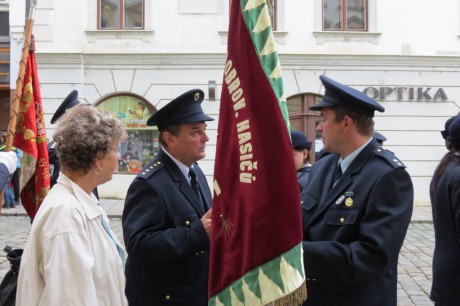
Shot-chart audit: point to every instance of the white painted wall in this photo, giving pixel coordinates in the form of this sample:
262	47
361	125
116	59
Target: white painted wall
410	43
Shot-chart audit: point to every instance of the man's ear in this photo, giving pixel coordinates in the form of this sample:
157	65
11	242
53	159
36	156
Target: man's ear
347	121
169	139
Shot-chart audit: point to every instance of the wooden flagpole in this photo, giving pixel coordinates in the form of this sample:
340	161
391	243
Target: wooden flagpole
19	84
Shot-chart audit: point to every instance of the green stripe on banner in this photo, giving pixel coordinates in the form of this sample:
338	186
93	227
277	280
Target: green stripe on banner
258	24
276	270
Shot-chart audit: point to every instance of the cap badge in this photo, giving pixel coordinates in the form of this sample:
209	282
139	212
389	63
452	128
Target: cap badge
197	96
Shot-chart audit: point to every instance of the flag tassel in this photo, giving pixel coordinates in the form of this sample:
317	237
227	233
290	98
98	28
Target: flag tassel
296	297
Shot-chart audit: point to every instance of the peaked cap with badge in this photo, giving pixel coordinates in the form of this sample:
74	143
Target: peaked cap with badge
69	102
337	94
184	109
300	141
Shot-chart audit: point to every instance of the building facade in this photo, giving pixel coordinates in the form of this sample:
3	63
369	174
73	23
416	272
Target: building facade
133	56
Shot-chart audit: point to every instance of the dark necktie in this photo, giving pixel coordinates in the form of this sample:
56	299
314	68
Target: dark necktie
337	174
195	186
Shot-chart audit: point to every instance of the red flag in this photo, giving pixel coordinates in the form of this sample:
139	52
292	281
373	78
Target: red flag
256	250
30	137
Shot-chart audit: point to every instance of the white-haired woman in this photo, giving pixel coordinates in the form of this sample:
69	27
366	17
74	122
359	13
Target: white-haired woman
71	256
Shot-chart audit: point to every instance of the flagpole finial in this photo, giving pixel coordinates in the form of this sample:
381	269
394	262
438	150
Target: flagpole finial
33	4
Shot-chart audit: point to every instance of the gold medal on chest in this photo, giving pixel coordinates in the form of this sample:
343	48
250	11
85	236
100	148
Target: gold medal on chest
349	200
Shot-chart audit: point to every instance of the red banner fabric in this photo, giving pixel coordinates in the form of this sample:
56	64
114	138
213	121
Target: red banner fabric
30	137
256	205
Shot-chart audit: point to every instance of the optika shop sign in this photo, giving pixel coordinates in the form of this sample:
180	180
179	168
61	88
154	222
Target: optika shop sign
406	93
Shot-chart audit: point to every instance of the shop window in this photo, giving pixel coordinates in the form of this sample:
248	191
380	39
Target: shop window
142	144
121	14
305	120
345	15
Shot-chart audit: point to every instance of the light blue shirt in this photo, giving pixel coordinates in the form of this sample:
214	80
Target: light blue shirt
345	162
183	168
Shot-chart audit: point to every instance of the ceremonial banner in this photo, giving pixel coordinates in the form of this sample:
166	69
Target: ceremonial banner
30	137
256	249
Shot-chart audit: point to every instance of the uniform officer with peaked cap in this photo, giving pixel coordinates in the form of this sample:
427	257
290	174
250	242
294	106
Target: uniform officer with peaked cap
70	101
356	211
166	222
301	147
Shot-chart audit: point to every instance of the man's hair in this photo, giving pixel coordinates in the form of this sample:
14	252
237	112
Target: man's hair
364	124
173	129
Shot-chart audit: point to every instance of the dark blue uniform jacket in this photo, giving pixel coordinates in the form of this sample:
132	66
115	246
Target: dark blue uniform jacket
352	233
168	249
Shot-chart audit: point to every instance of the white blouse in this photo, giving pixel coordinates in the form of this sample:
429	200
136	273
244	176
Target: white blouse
69	259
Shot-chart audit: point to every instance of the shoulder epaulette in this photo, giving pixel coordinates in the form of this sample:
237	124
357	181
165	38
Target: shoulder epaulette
150	169
390	157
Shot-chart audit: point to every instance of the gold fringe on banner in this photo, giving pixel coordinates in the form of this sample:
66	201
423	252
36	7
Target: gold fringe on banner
297	297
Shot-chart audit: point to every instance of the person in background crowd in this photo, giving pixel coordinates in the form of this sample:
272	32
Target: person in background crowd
55	166
301	149
71	256
445	133
445	201
321	153
69	102
356	210
14	190
167	217
16	177
8	161
8	197
379	138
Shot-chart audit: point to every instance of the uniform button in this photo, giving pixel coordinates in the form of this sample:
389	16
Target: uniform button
187	223
197	253
342	220
167	297
202	252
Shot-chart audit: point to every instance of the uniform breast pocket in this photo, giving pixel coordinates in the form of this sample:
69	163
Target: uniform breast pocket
308	203
341	217
184	220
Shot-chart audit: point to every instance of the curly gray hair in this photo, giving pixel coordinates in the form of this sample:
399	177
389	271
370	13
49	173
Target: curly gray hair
82	133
